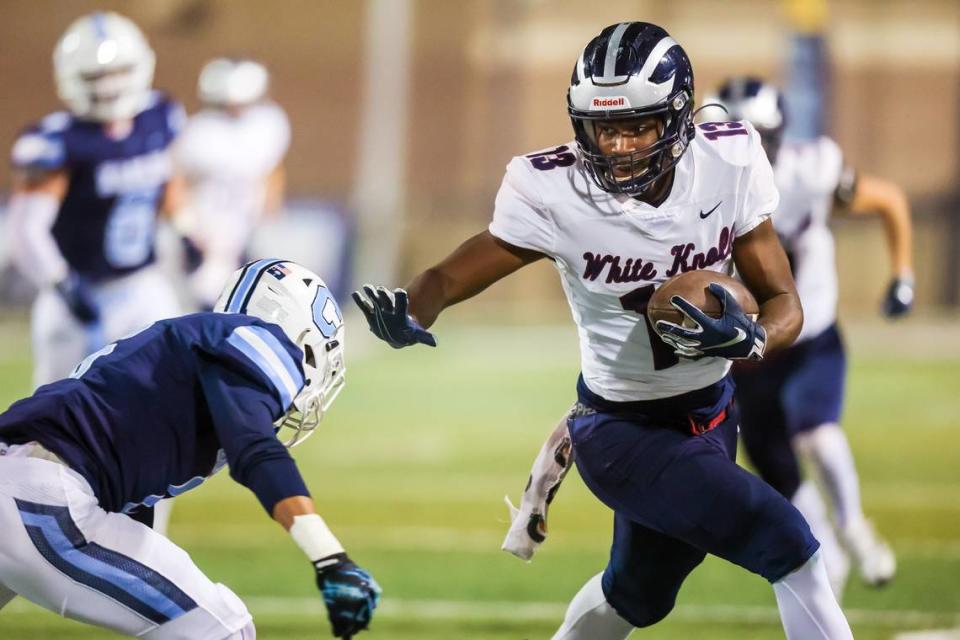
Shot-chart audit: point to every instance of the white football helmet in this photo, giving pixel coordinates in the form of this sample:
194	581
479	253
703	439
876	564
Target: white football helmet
232	82
297	300
103	67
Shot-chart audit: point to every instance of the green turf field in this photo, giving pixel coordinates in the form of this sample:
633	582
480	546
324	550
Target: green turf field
413	461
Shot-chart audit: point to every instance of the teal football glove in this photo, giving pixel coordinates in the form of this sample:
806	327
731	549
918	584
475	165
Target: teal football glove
350	593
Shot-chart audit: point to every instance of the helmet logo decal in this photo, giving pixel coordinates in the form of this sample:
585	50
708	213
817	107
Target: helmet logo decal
326	314
279	271
609	102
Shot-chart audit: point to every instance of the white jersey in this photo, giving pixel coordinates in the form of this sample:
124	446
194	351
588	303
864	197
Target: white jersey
226	161
613	251
807	175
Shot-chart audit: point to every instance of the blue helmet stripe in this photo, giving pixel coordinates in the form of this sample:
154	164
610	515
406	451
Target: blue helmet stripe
100	25
240	296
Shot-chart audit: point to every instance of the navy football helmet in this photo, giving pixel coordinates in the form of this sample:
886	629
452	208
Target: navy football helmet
630	71
759	103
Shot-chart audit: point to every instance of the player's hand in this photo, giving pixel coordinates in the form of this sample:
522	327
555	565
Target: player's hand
76	293
350	593
386	313
899	299
733	335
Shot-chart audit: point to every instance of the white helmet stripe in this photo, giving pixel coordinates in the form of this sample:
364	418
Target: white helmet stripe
610	63
655	56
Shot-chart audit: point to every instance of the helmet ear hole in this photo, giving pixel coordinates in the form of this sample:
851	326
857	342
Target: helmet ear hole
308	356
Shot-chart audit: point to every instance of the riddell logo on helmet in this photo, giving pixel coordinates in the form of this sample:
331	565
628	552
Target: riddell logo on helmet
609	102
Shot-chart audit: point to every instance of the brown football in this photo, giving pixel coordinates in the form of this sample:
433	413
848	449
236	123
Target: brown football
692	286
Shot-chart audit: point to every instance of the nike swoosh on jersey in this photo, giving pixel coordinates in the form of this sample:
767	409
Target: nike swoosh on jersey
704	216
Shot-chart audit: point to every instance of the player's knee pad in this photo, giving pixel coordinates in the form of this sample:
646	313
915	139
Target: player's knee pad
639	605
642	610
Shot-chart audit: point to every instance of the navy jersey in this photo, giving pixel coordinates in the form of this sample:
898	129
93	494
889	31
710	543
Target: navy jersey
107	220
154	415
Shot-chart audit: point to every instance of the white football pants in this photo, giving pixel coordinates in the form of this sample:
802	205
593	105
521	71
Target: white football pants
63	552
127	305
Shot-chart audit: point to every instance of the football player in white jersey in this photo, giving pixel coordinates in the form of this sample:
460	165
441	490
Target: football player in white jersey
642	194
89	184
795	397
231	156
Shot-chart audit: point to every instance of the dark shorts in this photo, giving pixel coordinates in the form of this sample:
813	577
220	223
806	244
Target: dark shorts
678	496
795	390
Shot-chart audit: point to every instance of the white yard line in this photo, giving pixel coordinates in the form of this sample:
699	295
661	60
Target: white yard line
932	634
554	611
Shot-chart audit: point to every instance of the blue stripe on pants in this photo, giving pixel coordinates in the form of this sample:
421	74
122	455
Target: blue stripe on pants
113	574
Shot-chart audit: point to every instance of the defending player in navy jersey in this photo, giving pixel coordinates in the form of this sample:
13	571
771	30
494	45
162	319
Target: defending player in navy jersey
89	183
642	194
792	401
153	416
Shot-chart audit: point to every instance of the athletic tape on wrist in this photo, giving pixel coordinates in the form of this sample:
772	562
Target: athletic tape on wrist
312	535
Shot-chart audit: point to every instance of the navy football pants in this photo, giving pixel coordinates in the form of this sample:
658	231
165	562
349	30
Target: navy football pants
676	497
792	391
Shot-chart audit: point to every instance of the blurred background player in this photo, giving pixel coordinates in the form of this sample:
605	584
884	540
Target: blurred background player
791	402
250	381
88	187
231	157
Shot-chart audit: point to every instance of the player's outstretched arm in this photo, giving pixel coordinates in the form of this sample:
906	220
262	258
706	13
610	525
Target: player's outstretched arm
764	268
874	195
350	593
401	317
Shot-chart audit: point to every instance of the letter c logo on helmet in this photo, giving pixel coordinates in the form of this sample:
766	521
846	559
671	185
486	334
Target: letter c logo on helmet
632	70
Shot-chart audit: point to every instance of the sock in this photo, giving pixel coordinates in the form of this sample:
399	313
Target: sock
809	503
808	608
590	616
827	447
161	516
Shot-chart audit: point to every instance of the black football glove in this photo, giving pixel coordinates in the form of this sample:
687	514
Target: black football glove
899	299
75	291
733	335
350	593
386	313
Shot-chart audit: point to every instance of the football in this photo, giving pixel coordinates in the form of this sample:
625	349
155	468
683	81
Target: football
692	286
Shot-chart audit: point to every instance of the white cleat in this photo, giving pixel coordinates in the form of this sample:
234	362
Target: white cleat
528	530
874	557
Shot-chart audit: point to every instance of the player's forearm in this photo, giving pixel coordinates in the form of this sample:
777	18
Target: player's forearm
899	231
32	246
299	517
875	195
433	291
781	316
287	509
472	267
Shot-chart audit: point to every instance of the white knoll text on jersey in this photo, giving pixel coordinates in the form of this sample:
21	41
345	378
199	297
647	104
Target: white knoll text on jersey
612	250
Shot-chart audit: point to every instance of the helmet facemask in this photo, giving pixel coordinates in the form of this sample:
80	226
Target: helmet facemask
632	173
323	370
